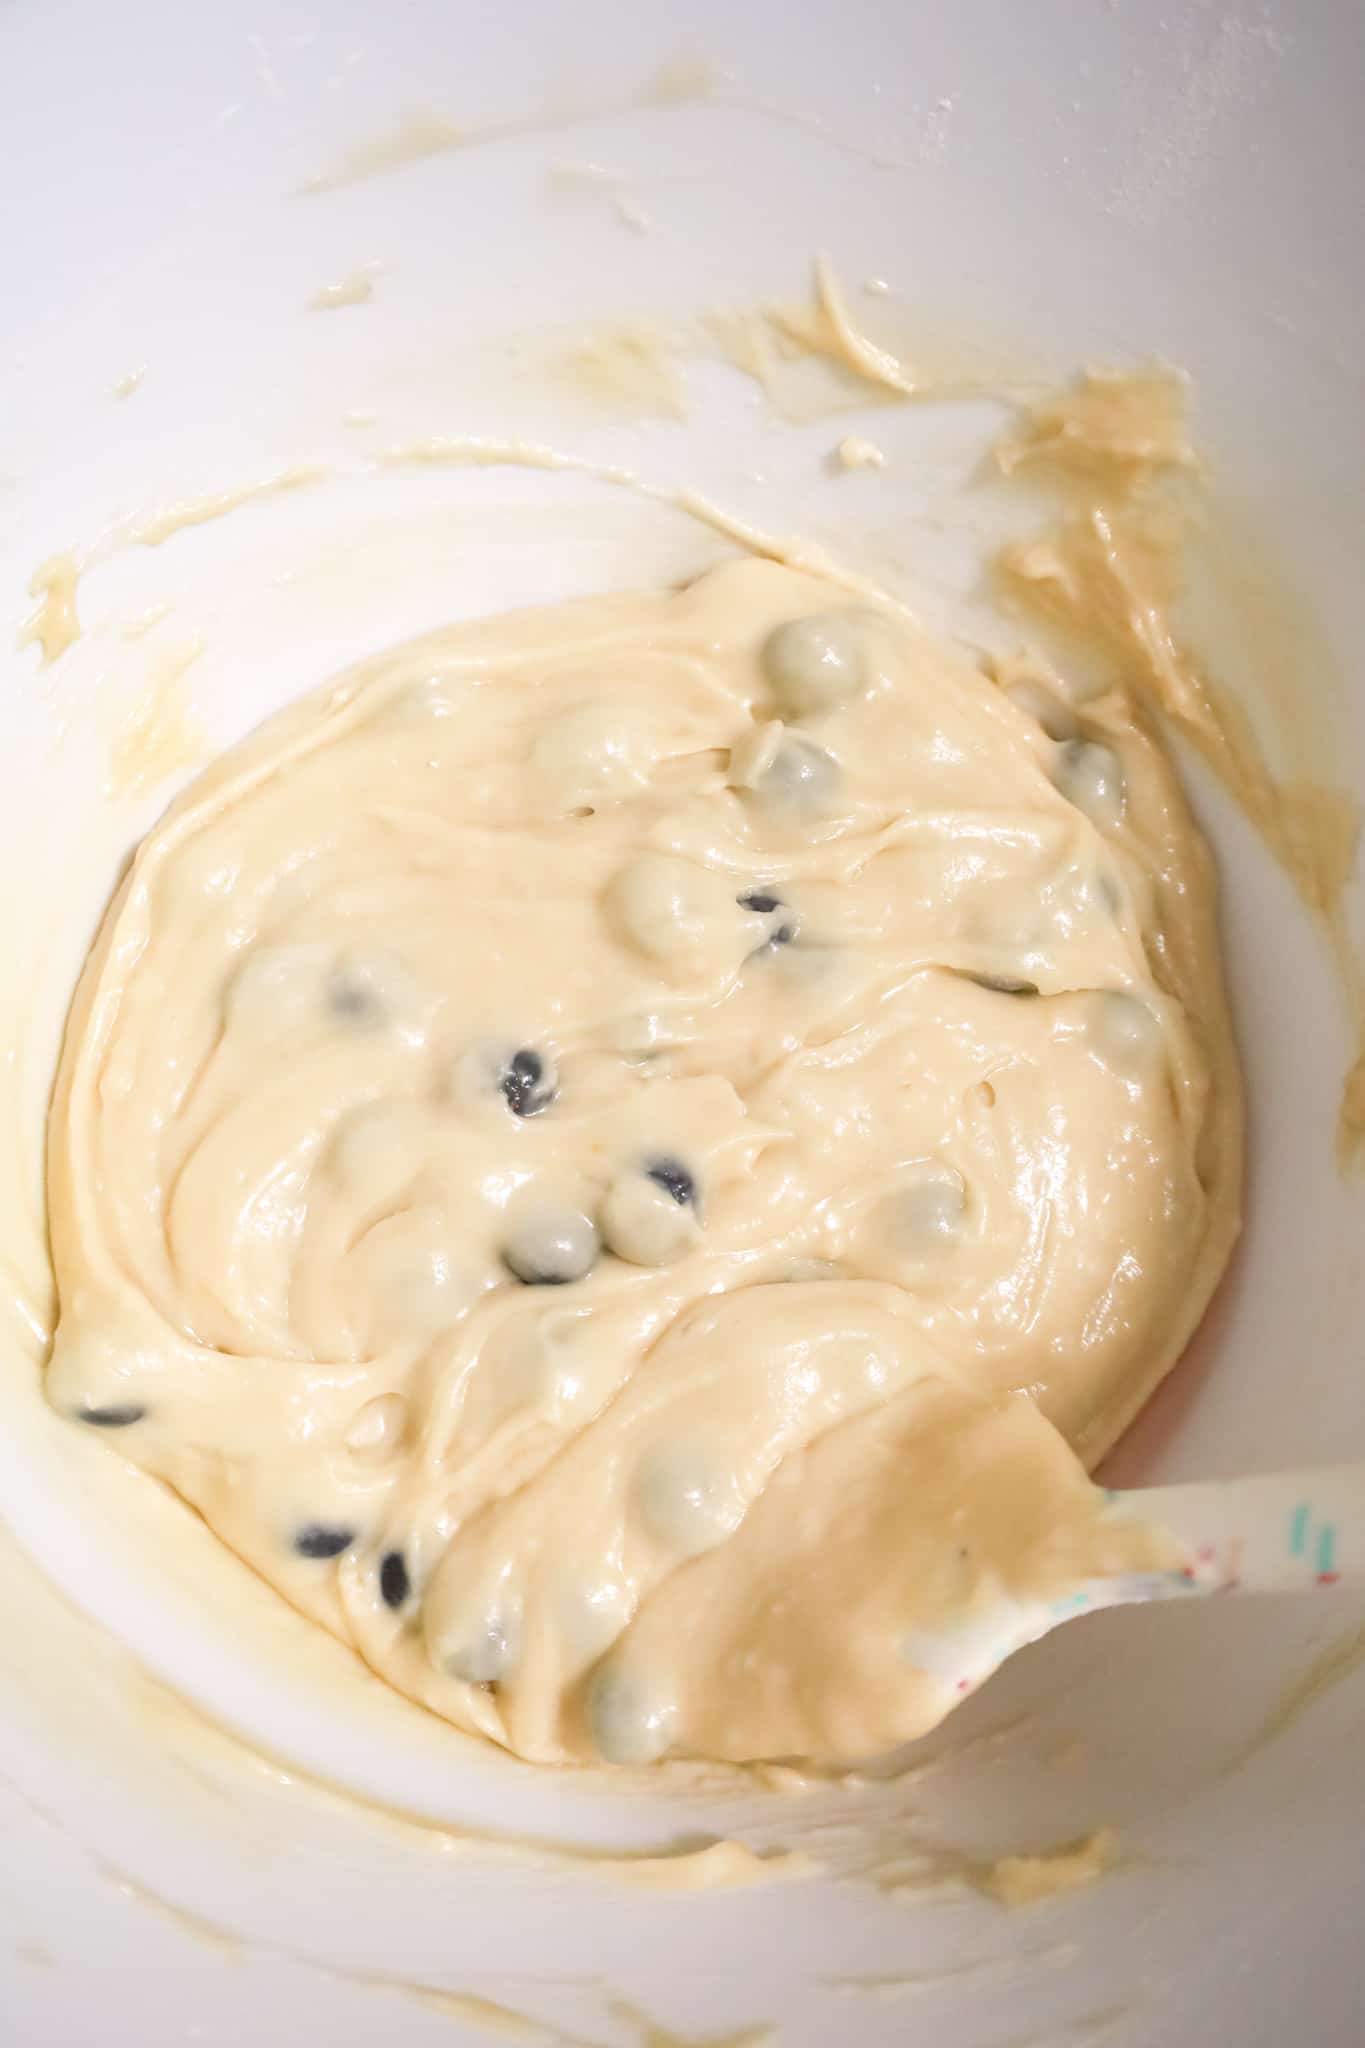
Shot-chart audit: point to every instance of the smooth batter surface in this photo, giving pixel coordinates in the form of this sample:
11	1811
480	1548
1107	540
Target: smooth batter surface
611	1153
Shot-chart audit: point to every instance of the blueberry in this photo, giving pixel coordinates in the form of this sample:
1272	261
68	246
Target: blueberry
1123	1030
764	904
551	1246
924	1216
525	1084
815	664
372	990
1004	984
686	1501
317	1540
648	1217
1090	775
801	779
675	1179
489	1654
394	1583
118	1415
350	1000
628	1723
352	994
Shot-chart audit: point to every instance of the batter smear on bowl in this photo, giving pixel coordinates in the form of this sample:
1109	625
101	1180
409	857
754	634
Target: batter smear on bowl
627	1158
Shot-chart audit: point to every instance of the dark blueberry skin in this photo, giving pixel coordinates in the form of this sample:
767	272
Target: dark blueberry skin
351	999
530	1277
394	1583
1003	986
763	903
675	1180
317	1540
524	1085
118	1415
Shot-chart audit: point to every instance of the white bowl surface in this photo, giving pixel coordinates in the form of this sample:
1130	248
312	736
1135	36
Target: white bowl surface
1038	186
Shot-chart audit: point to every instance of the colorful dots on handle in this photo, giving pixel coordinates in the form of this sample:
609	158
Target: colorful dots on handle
1319	1544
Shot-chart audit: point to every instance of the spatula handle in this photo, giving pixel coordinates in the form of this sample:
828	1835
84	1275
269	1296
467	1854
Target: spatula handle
1267	1534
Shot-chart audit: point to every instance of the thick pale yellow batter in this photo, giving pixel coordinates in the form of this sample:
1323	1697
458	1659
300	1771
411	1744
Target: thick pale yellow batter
627	1157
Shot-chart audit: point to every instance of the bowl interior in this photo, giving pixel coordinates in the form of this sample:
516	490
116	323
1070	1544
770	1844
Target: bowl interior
1035	189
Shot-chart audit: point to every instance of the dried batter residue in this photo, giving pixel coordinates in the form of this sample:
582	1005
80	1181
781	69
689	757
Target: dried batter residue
199	511
421	133
834	332
352	290
853	452
1104	581
415	135
650	2034
600	180
775	344
1028	1880
631	366
892	1989
1122	427
689	80
817	357
56	624
1015	1880
1338	1662
1088	2031
469	452
139	626
489	2017
161	734
192	1924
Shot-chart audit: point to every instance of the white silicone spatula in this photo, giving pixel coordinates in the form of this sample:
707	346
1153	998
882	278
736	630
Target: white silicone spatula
1272	1534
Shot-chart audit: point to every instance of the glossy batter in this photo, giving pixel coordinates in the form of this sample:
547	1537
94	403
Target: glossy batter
627	1157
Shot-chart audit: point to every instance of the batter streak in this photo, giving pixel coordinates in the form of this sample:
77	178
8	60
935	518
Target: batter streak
627	1157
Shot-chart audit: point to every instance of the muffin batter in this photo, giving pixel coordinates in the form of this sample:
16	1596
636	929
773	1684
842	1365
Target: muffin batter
627	1157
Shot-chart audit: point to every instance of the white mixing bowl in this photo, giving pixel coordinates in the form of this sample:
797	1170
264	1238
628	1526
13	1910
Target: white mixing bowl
1037	185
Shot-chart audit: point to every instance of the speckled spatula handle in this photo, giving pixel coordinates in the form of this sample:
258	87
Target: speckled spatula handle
1263	1535
1271	1534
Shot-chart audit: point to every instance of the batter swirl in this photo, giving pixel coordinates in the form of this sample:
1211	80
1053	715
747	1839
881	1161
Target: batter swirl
626	1158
